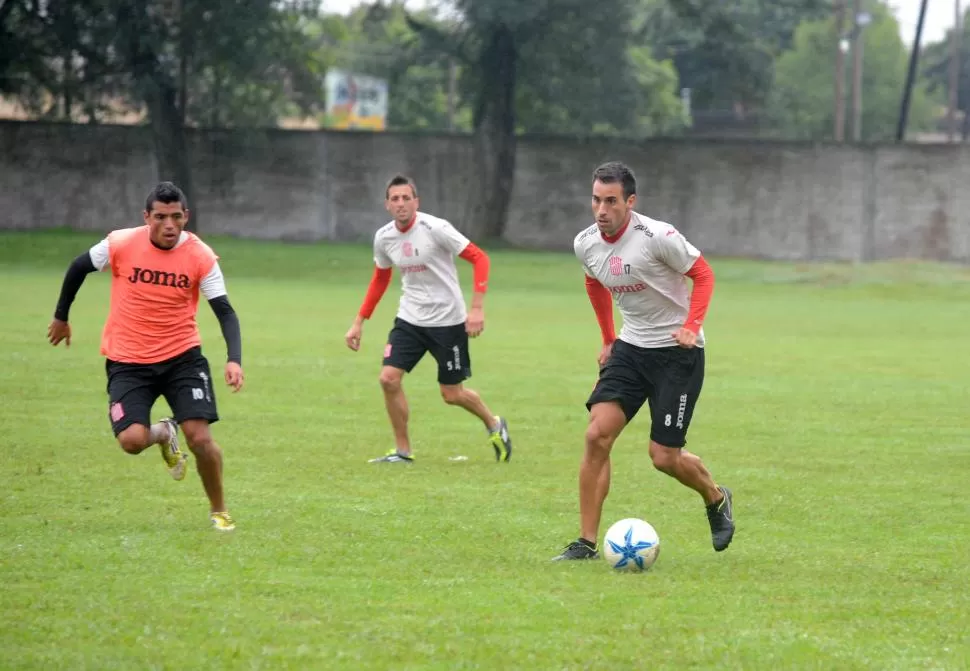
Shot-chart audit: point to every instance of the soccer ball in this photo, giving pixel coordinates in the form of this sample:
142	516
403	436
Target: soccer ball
631	545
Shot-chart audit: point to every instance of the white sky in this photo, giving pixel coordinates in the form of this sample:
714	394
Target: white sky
939	15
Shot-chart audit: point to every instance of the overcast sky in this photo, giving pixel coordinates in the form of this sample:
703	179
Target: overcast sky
939	15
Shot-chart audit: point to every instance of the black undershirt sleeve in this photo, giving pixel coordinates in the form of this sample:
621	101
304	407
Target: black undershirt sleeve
73	279
229	323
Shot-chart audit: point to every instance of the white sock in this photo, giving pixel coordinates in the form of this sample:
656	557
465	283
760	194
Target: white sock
158	433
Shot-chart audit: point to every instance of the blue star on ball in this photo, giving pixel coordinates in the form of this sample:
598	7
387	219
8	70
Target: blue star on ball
629	550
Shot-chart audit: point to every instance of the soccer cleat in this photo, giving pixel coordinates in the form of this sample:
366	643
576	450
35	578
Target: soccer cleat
721	517
501	441
222	521
393	457
175	459
578	549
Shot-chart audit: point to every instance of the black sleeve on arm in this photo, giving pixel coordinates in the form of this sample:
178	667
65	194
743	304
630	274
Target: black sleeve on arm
229	323
73	279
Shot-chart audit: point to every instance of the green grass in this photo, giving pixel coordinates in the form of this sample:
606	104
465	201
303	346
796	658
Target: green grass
835	406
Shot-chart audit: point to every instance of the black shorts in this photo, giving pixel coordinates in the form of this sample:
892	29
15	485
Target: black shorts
407	343
668	378
185	381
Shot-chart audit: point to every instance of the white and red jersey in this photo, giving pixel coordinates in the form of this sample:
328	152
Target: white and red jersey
424	253
643	268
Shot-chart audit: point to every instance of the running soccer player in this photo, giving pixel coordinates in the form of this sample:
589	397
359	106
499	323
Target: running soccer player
151	339
658	358
431	316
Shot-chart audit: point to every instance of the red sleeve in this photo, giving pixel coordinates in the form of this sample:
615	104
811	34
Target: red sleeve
479	259
375	291
700	297
602	302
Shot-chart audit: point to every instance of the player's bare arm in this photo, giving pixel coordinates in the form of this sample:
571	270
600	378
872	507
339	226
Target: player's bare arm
379	282
475	323
59	329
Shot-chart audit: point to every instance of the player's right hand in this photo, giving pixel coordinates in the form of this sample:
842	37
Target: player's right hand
58	331
353	337
605	354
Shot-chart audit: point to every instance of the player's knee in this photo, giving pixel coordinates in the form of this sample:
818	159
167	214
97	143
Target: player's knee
134	439
197	436
664	458
599	438
451	394
390	381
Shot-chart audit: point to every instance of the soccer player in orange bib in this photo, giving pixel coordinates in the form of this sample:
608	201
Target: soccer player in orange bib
151	339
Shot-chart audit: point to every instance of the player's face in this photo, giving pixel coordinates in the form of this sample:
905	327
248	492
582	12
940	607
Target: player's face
401	203
166	221
610	209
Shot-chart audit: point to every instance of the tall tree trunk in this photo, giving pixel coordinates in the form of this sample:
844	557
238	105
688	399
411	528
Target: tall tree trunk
159	89
494	136
168	135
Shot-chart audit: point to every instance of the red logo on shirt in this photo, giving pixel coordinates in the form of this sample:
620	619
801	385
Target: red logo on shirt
408	249
616	265
628	288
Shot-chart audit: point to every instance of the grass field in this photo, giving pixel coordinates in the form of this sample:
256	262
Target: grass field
835	406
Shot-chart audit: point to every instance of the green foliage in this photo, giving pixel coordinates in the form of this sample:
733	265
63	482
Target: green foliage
377	40
724	51
240	63
936	64
576	72
802	102
253	70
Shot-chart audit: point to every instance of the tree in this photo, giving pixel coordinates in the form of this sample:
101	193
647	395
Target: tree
936	60
802	101
568	66
377	40
243	58
725	52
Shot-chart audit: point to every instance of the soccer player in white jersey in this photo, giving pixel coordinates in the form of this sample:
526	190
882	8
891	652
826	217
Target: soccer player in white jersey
658	358
431	316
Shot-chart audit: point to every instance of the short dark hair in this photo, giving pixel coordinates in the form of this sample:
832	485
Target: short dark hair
615	172
400	180
166	192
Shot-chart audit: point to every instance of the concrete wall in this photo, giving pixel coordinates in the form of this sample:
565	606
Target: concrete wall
752	199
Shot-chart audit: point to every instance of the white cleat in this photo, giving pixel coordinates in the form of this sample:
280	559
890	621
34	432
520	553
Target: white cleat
175	459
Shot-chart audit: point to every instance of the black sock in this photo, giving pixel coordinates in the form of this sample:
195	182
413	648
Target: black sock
591	545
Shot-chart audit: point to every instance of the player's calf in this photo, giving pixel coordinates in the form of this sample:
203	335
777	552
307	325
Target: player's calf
208	460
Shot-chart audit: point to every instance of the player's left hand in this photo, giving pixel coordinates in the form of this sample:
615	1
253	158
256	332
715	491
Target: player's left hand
234	376
58	331
475	323
685	338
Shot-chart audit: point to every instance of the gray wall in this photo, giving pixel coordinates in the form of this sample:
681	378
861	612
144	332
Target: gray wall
752	199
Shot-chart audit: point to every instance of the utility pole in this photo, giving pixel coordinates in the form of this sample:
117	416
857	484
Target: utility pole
911	74
955	38
858	23
839	112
